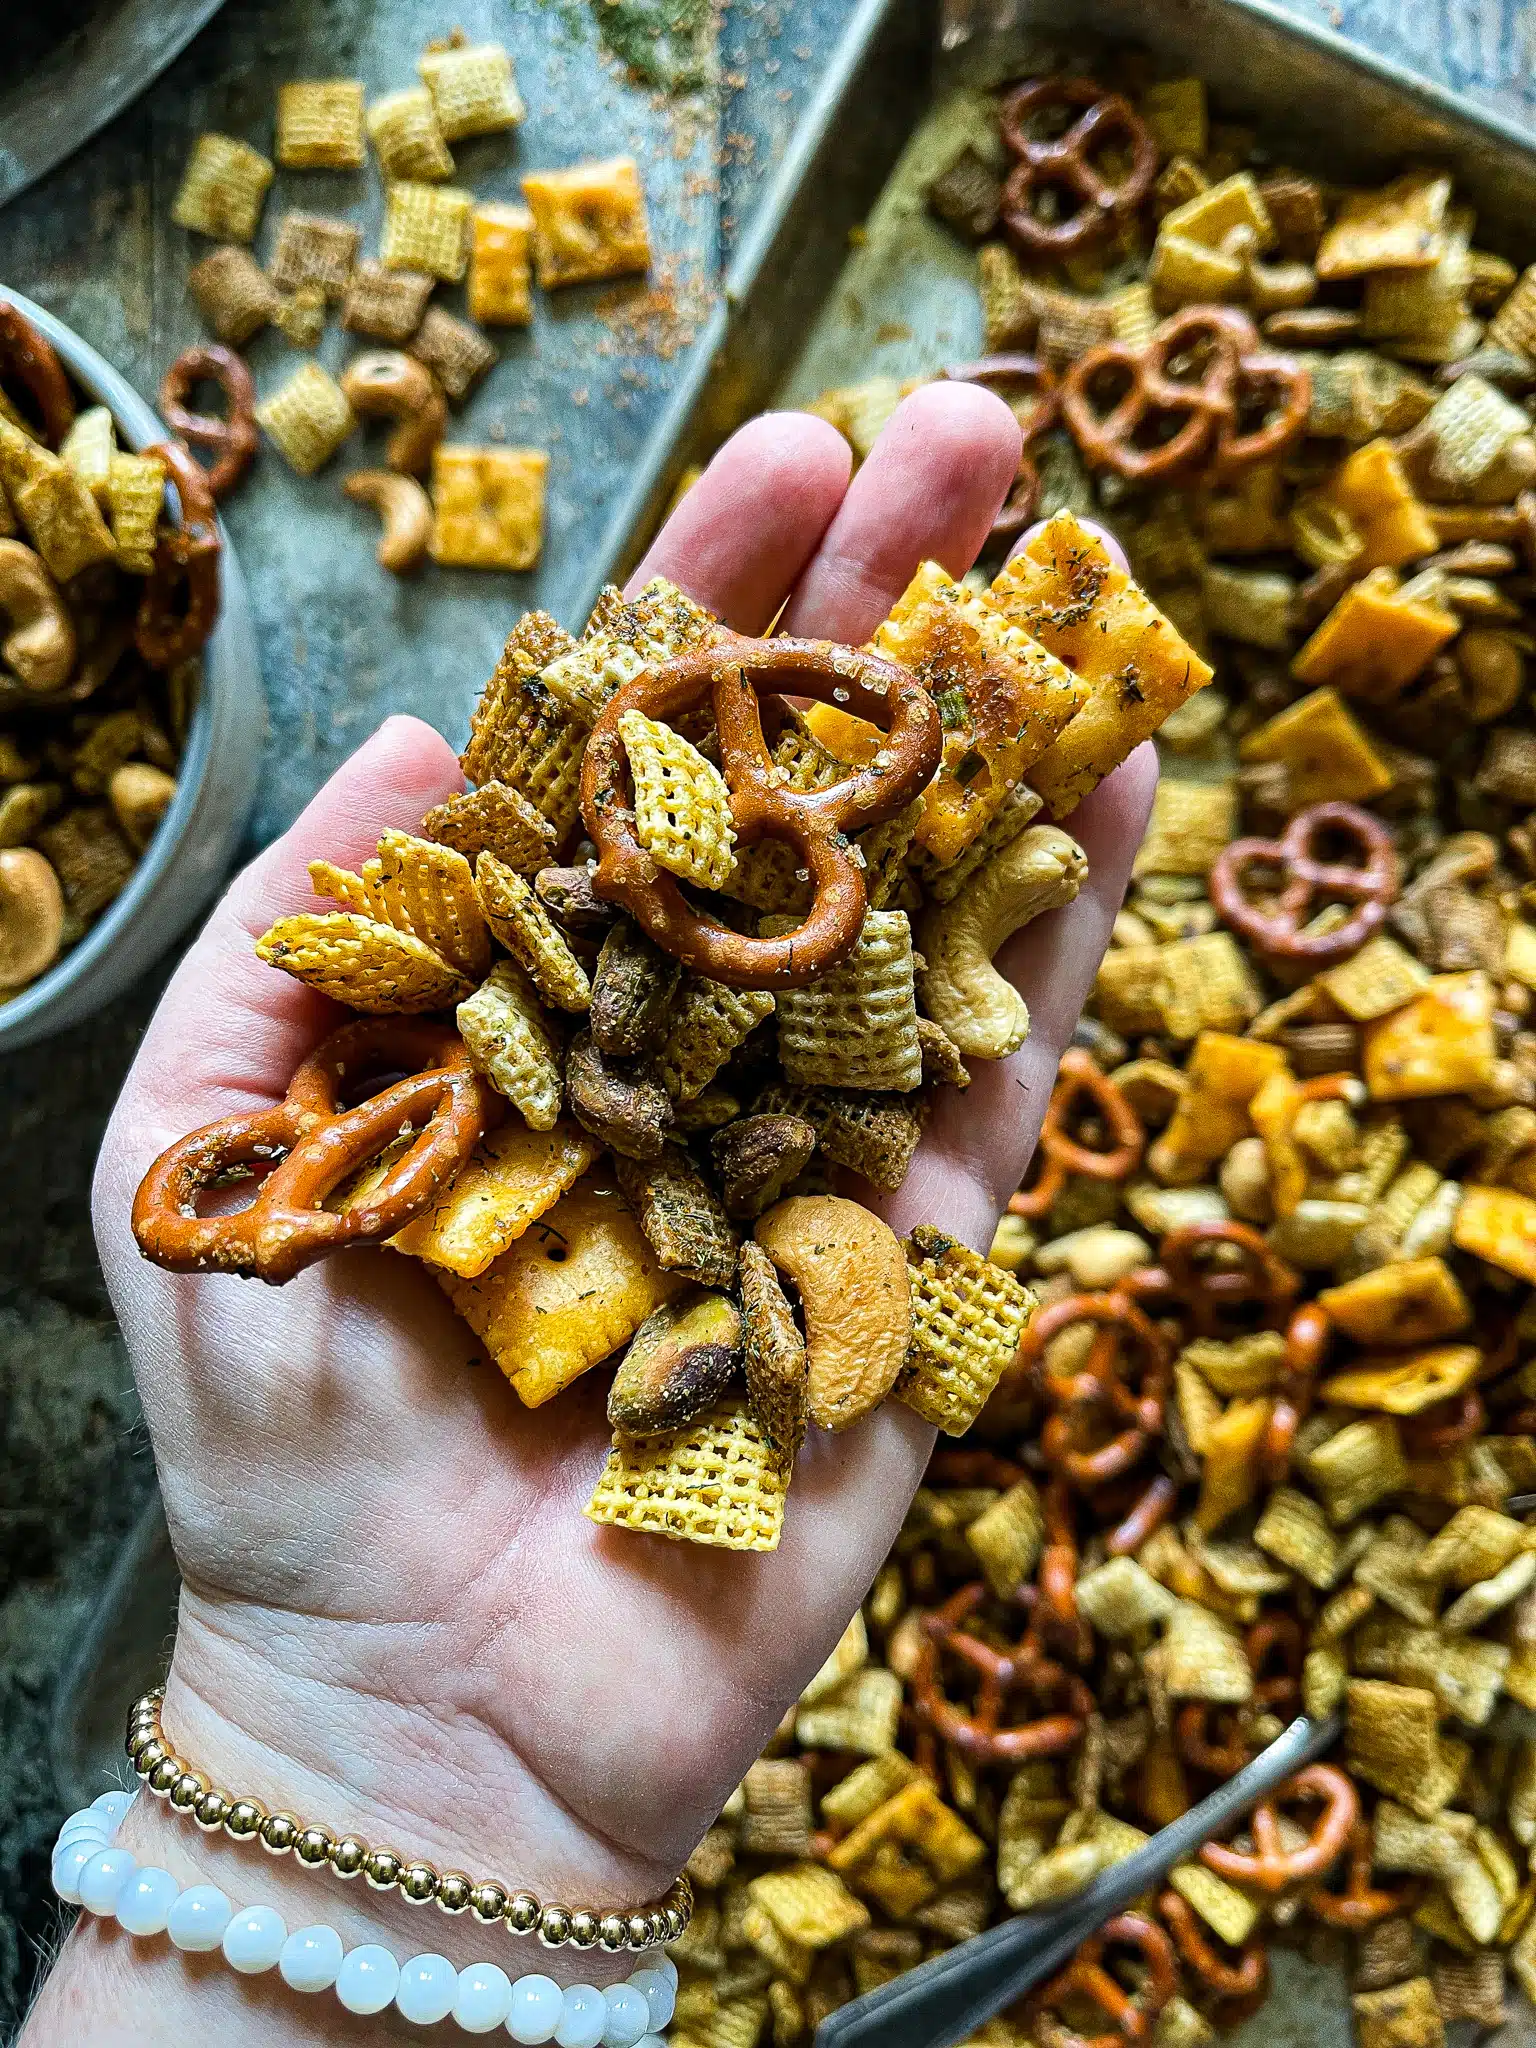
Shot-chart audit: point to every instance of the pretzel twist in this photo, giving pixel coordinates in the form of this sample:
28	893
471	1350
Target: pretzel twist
1276	928
1269	1866
32	359
1212	1271
732	669
982	1731
232	439
308	1145
1306	1344
1247	1979
1361	1903
1065	164
1079	1085
1014	378
1085	1981
1120	1388
179	606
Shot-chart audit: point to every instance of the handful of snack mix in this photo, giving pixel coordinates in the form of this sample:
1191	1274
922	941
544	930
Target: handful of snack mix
666	1057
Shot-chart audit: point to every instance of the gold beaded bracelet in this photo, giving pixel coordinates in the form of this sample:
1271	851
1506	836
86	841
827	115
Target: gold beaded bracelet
172	1778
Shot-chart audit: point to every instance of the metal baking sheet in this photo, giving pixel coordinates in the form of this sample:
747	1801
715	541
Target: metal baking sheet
89	73
904	302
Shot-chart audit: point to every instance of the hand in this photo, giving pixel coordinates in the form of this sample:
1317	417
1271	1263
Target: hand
395	1618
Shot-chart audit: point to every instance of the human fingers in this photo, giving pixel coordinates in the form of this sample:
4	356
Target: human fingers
739	539
929	491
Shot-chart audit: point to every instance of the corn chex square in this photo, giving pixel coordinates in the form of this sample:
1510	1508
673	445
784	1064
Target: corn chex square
320	124
426	227
709	1020
534	642
403	127
718	1482
967	1318
222	189
622	637
472	88
857	1026
307	419
682	805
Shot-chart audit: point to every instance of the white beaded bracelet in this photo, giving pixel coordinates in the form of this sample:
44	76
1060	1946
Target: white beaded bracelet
144	1900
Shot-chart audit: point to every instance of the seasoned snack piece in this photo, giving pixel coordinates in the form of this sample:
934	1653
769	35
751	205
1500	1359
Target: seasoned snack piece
681	1216
624	636
631	1113
778	1388
1018	809
1065	591
1327	755
57	509
967	1319
314	249
1397	227
365	964
851	1276
384	383
500	288
222	189
428	890
456	353
510	1042
233	293
404	130
682	806
856	1027
872	1135
756	1158
1191	822
708	1022
522	924
385	303
300	316
809	1904
405	514
426	227
632	994
495	819
320	125
513	1176
490	507
91	860
135	500
307	419
498	734
472	88
588	222
717	1482
678	1365
341	886
943	1065
89	446
576	1285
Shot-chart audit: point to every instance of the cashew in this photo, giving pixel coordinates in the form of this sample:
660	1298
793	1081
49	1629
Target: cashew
851	1275
406	511
385	383
41	644
31	916
140	796
984	1014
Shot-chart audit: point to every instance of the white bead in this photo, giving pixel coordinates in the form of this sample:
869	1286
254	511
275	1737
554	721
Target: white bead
368	1978
145	1901
254	1940
583	2017
483	1998
667	1967
311	1959
656	1989
68	1863
198	1918
84	1827
429	1985
629	2016
652	2041
112	1806
536	2007
103	1877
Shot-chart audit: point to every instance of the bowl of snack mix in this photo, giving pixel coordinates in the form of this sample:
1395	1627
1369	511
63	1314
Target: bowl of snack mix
131	713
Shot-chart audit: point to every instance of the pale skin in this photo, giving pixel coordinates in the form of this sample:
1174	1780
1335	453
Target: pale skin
395	1618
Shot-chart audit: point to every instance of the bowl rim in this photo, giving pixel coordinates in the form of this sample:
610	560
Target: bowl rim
138	423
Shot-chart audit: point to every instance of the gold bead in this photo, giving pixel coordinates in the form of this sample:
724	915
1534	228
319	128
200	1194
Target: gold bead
279	1832
165	1774
381	1868
555	1926
522	1914
187	1790
244	1819
677	1920
347	1856
488	1901
613	1932
453	1890
313	1846
211	1811
584	1927
418	1883
146	1754
639	1931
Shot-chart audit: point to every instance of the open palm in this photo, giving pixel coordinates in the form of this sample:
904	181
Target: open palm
395	1616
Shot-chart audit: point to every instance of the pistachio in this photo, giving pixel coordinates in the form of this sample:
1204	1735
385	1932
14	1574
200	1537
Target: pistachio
632	993
677	1365
757	1157
631	1113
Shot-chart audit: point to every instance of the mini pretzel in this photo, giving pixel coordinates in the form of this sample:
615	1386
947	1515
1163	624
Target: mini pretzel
1214	1738
31	357
1078	1083
1245	1979
1085	1981
1013	377
1306	1344
981	1731
180	603
1147	1515
732	669
233	438
1360	1903
1101	1390
1211	1289
1064	164
1276	927
1056	1622
308	1145
1276	1636
1269	1865
1444	1424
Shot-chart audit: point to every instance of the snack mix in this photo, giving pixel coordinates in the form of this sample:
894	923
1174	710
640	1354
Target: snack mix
1243	1415
106	603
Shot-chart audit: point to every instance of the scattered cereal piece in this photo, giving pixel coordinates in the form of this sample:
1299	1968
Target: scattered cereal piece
681	1215
472	88
717	1482
135	500
522	924
509	1040
300	317
363	963
488	505
588	222
307	419
429	890
320	125
404	131
857	1026
709	1021
456	353
426	227
494	819
385	303
967	1319
222	189
314	249
233	293
682	805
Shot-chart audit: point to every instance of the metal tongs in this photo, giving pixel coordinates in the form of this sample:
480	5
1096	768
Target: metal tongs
946	2000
